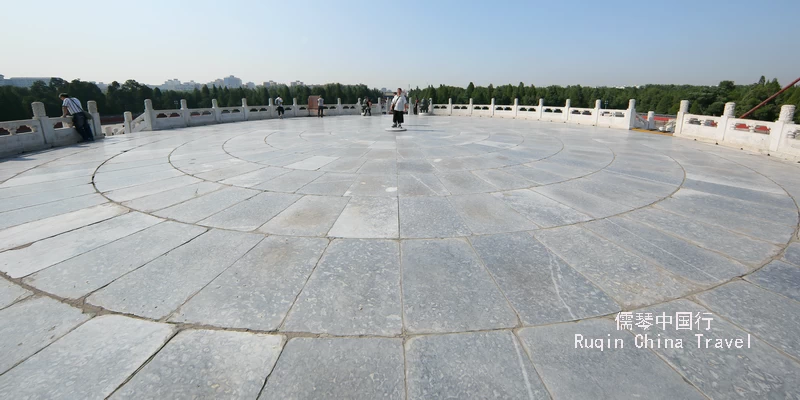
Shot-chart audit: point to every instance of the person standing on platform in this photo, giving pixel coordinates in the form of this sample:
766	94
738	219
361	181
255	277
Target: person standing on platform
320	106
416	106
72	106
279	103
399	105
367	107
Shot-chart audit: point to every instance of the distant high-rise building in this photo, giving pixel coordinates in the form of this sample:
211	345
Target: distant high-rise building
232	82
295	83
23	82
251	85
269	84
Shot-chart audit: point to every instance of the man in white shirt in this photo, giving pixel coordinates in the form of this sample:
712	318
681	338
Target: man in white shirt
399	105
279	103
320	106
72	106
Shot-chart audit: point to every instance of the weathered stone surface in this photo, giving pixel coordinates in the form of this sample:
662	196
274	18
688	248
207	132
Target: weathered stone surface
204	206
367	217
502	180
464	182
161	286
167	198
50	196
792	254
572	372
430	217
289	182
44	253
778	277
755	372
367	368
679	257
420	185
485	214
258	290
355	290
206	364
89	362
312	163
94	269
570	194
29	326
540	209
253	178
471	365
373	185
446	289
330	184
767	315
11	293
251	213
541	287
309	216
630	280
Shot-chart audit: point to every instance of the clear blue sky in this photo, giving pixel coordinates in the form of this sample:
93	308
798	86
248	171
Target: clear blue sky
383	43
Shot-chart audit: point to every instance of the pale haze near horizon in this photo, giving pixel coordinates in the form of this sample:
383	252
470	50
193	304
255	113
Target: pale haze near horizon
417	43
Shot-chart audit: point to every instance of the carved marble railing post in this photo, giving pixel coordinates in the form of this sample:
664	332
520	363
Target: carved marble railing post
598	104
430	105
272	109
651	120
245	110
679	119
450	106
491	108
567	105
631	113
97	127
777	139
338	106
216	110
45	127
128	120
185	112
540	110
722	127
470	106
294	106
149	115
516	107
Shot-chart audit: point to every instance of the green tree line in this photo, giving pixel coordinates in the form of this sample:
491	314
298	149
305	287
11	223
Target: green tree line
663	99
15	102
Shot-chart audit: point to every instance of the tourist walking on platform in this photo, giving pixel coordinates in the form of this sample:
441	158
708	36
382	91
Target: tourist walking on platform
72	106
367	108
399	105
320	106
279	103
416	106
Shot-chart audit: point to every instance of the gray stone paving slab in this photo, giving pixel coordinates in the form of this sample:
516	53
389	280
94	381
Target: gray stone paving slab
535	175
770	316
31	325
251	213
355	290
290	181
746	250
540	209
161	286
367	368
42	211
772	224
379	167
89	362
630	280
7	192
345	165
446	289
430	217
570	194
420	185
471	365
745	194
464	182
485	214
414	166
630	191
107	184
51	196
573	372
503	180
206	364
258	290
135	192
669	173
81	275
330	184
367	217
792	254
204	206
167	198
542	288
44	253
11	293
312	163
309	216
678	256
373	185
755	372
253	178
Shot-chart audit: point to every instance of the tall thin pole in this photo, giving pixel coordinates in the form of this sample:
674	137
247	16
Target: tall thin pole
770	98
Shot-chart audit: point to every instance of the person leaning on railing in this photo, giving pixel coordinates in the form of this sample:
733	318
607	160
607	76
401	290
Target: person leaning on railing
72	106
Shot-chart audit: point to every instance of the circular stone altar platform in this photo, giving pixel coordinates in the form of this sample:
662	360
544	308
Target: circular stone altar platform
318	228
